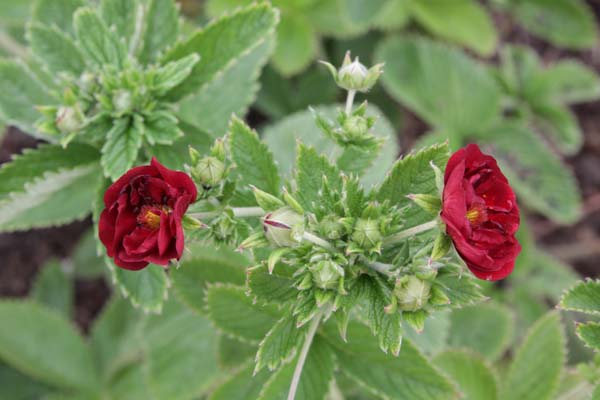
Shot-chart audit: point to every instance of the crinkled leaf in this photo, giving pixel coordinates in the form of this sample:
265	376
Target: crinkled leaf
122	15
162	28
100	45
56	50
146	288
583	297
120	151
233	353
460	287
475	378
58	13
280	343
276	287
539	358
173	73
311	168
162	128
434	337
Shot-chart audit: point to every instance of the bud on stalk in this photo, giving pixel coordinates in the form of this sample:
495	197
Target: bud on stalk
284	227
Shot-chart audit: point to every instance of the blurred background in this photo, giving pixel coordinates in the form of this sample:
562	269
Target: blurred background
518	76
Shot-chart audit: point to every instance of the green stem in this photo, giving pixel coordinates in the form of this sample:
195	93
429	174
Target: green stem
350	101
240	212
415	230
318	241
312	330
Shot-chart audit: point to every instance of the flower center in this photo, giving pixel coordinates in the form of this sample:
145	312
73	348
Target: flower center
149	216
476	214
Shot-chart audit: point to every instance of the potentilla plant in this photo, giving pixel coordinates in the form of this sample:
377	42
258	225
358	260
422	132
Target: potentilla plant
326	251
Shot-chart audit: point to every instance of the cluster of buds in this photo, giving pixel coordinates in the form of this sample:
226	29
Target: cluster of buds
353	129
353	75
368	230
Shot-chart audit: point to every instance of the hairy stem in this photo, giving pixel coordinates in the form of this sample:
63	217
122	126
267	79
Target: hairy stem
11	45
350	101
312	329
318	241
415	230
240	212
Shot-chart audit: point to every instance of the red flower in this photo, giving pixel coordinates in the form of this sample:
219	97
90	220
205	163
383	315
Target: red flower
141	221
481	213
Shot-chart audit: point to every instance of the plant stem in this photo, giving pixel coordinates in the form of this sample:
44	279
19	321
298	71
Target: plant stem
240	212
11	45
312	329
350	101
318	241
415	230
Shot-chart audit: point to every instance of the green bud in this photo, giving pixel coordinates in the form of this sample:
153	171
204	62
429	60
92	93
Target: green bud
366	233
412	293
331	227
218	149
87	82
266	201
122	101
356	127
431	204
355	76
326	274
284	227
209	171
68	120
191	223
223	228
441	246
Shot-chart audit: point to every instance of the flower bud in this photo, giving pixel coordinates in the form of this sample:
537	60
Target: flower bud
412	293
331	227
208	171
326	274
356	127
355	76
122	101
87	82
68	120
284	227
366	233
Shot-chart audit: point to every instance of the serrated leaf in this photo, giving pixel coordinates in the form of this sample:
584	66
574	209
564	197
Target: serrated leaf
464	22
162	29
172	74
233	353
407	376
297	44
243	385
122	15
221	42
475	378
542	182
161	128
311	168
283	136
434	337
314	381
590	334
175	155
231	92
53	287
146	288
52	199
280	343
413	174
461	288
120	151
56	50
181	335
207	266
58	13
42	344
356	160
441	84
233	312
486	328
276	287
583	297
564	23
21	92
99	45
253	159
32	164
539	358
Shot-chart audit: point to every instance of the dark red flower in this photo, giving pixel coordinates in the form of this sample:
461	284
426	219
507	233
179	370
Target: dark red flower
141	221
481	213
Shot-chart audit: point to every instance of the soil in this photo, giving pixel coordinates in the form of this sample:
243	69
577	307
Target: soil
24	253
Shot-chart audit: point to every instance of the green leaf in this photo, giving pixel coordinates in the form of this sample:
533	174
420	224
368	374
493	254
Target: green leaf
434	337
560	125
540	358
17	386
583	297
42	344
280	343
464	22
53	287
32	164
100	45
229	93
222	42
407	376
314	381
233	312
162	29
21	92
486	328
207	265
181	351
233	353
161	128
87	263
131	384
120	151
243	385
276	287
590	334
475	378
441	84
567	81
146	288
173	73
122	15
413	174
564	23
394	15
253	159
297	44
175	155
56	50
54	198
283	136
542	182
58	13
548	277
311	168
